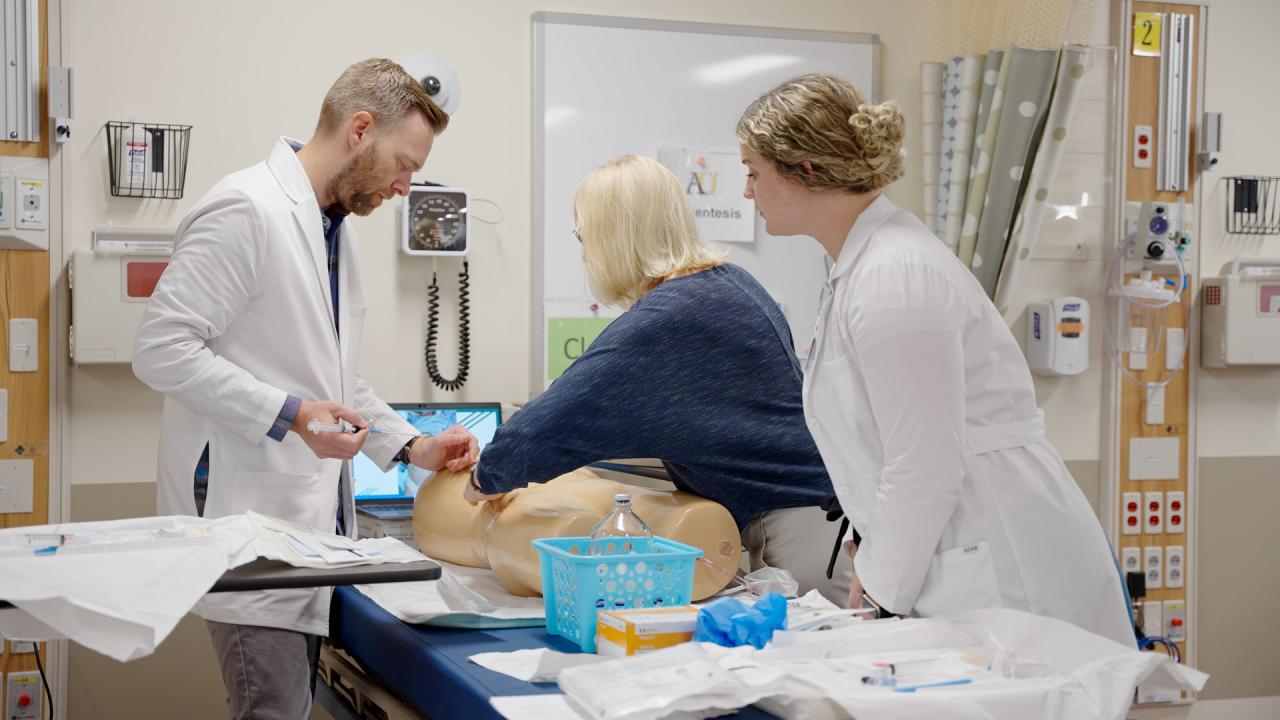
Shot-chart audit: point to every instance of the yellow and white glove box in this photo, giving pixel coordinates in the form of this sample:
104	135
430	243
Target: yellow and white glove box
636	630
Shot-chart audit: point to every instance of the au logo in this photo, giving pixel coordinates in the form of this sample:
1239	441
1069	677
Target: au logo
702	183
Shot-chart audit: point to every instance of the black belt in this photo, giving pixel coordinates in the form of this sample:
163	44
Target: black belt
831	504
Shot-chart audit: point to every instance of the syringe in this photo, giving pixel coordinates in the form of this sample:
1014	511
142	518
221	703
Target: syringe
317	427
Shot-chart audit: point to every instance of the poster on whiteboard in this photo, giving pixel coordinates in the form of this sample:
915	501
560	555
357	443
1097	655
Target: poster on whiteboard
714	182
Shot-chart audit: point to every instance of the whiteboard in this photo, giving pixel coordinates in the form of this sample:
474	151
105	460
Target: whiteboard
605	87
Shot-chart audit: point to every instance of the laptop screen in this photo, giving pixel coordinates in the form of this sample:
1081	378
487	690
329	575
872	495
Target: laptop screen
402	481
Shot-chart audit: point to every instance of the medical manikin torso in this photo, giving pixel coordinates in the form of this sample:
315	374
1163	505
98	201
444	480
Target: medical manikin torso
498	535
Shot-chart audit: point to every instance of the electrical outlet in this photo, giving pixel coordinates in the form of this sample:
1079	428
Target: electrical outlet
1175	566
1132	522
1153	565
1175	620
23	699
1152	618
1143	144
1131	559
1154	510
1175	512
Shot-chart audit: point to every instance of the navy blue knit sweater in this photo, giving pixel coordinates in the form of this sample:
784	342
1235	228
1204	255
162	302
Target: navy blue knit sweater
700	373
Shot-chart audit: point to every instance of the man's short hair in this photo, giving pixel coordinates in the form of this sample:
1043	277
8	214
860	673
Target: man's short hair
383	89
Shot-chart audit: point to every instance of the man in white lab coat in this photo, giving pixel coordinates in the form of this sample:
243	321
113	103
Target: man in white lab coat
253	332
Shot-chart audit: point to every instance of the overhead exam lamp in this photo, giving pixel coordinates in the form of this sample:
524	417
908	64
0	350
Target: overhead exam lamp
437	78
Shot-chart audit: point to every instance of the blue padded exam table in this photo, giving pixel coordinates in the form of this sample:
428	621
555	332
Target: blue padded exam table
427	667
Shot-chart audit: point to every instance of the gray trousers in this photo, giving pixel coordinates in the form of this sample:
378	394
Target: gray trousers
799	540
270	674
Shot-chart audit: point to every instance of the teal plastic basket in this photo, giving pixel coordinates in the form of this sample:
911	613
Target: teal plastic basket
576	585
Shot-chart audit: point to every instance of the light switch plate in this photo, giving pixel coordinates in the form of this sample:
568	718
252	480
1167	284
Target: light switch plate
17	487
1137	348
24	345
1155	405
1174	348
1152	618
1153	458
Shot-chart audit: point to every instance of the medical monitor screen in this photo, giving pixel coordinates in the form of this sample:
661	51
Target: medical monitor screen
403	481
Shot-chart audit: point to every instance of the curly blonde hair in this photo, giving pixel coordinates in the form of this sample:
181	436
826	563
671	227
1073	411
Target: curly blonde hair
637	229
851	145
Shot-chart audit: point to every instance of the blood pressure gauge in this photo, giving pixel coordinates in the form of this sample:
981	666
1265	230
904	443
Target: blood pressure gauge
435	222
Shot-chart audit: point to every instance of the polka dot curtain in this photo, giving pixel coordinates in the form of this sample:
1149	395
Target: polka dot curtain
1034	206
995	73
994	122
1025	104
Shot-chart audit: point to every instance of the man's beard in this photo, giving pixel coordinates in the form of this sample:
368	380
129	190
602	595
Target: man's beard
348	188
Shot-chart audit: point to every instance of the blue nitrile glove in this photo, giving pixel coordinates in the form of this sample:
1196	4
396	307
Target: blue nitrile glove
731	622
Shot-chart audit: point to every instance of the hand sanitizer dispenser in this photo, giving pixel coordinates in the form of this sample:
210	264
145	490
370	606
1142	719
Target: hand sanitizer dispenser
1057	336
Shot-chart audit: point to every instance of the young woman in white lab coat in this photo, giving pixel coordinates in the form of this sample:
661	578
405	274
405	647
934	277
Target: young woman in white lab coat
915	391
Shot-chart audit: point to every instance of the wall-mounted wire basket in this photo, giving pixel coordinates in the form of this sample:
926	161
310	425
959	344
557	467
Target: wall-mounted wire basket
147	160
1253	207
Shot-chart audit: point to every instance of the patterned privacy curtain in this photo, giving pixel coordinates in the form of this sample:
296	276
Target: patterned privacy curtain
1026	100
969	74
995	115
995	73
931	79
1034	206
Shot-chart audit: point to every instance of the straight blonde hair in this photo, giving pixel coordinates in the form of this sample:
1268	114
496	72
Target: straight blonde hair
637	229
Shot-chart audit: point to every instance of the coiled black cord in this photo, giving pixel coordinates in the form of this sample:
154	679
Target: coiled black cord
464	331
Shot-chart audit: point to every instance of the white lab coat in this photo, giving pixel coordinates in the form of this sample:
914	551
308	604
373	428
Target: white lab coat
242	317
924	412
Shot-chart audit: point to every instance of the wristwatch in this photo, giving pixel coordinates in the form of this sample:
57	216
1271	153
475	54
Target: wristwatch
881	613
403	456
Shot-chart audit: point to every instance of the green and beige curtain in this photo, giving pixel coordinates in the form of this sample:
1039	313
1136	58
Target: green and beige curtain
1005	116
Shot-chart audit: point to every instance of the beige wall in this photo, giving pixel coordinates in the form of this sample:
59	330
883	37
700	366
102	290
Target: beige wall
245	72
1238	411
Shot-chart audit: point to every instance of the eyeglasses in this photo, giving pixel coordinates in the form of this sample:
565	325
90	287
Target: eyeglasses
577	233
